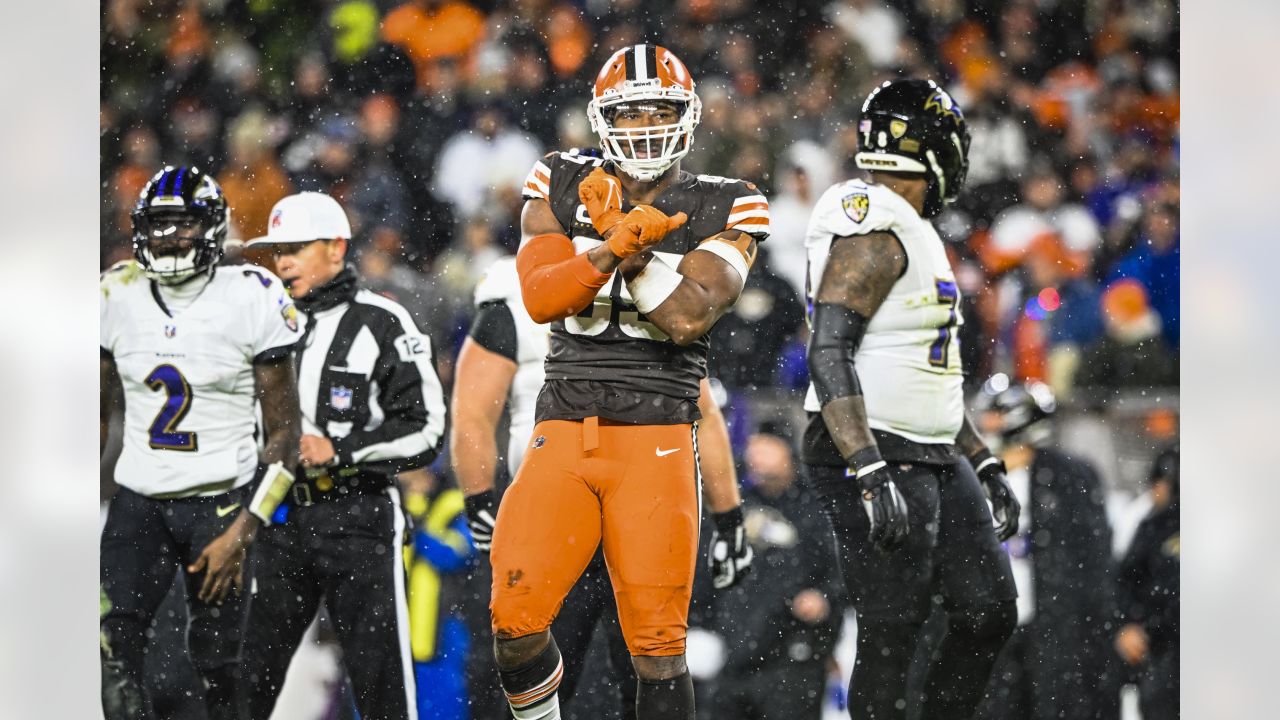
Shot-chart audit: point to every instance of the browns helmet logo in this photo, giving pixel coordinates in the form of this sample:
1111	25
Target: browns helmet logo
856	206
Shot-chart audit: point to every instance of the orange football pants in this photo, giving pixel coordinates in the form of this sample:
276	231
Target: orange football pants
633	487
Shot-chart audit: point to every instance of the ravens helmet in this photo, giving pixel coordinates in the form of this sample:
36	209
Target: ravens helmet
1024	409
913	126
179	224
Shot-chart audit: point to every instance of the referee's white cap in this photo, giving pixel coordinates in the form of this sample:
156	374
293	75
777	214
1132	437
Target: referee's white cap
304	217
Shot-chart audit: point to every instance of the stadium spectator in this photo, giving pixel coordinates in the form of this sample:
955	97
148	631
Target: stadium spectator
252	179
1148	584
435	30
483	162
747	343
780	623
1061	558
1154	261
1132	354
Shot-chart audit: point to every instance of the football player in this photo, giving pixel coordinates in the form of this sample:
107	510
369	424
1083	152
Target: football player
501	363
189	346
633	261
888	447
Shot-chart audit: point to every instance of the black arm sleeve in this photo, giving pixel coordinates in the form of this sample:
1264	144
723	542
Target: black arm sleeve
837	332
494	329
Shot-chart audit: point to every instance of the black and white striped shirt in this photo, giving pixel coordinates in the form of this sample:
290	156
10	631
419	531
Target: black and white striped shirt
367	380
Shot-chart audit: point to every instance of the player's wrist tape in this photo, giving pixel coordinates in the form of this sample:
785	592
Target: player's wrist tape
985	458
271	491
727	521
729	254
864	462
655	283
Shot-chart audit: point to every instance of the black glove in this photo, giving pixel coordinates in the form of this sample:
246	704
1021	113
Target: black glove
482	513
1004	504
731	554
885	506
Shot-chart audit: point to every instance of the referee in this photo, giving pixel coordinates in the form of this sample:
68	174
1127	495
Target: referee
372	406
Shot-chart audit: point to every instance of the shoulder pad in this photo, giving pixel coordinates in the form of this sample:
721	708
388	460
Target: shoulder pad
125	272
854	207
500	282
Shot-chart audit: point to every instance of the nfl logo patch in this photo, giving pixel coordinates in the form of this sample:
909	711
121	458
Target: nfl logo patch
539	441
275	218
856	206
170	330
340	398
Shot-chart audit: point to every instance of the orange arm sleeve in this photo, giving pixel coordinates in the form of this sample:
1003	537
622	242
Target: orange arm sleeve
554	282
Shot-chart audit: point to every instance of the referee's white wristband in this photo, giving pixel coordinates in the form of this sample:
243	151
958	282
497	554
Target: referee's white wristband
653	285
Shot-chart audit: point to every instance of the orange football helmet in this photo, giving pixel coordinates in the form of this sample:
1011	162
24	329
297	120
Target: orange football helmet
636	73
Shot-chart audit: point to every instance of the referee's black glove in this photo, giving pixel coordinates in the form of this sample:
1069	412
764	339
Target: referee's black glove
731	554
885	506
1004	504
482	514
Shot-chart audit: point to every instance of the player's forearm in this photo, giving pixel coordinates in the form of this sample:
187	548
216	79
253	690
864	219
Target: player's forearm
721	481
688	313
969	442
555	282
846	420
474	456
684	302
837	333
277	390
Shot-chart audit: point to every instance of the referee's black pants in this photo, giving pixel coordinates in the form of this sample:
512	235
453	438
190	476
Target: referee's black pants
144	542
348	552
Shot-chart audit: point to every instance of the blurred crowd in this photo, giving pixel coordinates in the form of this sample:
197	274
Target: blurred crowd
423	117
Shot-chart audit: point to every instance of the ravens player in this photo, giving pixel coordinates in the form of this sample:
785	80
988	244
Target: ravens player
632	261
190	346
888	447
501	362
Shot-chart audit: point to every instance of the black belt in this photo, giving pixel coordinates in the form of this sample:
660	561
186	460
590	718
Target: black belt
318	485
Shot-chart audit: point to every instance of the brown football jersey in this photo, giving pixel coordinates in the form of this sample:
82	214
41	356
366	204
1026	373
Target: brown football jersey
609	360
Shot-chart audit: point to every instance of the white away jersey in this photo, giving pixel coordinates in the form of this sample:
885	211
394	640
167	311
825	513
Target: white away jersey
501	282
188	379
909	360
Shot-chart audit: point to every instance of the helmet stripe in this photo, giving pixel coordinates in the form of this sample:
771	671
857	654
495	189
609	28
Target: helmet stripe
629	62
177	186
643	68
651	59
166	174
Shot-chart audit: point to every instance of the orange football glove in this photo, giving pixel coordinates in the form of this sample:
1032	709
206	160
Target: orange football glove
601	193
641	229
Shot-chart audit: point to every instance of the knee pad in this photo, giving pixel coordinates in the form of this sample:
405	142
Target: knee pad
992	622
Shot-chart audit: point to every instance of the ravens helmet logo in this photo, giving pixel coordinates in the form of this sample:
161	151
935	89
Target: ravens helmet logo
941	103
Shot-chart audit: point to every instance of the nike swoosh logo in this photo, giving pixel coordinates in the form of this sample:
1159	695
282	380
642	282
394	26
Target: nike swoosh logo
664	453
225	511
